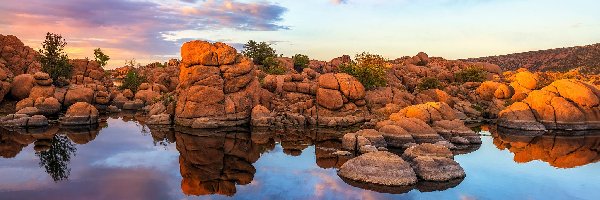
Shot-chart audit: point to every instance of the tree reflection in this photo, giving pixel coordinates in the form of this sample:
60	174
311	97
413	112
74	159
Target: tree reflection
56	159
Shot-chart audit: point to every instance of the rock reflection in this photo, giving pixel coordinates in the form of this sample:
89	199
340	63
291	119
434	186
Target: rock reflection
559	149
214	161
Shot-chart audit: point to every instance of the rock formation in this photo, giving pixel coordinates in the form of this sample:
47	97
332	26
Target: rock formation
564	104
216	86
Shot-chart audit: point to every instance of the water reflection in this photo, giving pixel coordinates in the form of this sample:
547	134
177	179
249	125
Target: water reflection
129	160
55	155
213	162
559	149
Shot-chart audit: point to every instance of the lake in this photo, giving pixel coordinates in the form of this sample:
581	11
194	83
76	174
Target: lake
123	159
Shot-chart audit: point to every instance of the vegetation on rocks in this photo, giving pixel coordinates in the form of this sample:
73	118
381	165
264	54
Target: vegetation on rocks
470	74
53	58
429	83
132	81
369	69
259	52
300	62
100	57
272	66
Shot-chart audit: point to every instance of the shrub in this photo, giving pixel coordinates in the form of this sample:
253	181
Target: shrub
53	59
132	81
272	66
369	69
470	74
259	52
300	62
428	83
101	58
166	99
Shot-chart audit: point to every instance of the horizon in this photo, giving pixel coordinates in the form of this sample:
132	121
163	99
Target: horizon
154	30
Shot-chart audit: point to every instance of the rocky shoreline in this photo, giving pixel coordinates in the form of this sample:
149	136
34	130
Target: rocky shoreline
214	87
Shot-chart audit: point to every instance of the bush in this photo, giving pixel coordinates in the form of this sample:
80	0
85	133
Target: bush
300	62
101	58
53	59
259	52
166	99
369	69
272	66
428	83
132	81
471	74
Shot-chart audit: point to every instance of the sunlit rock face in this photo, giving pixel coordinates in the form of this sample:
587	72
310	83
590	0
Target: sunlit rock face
340	100
563	105
214	163
217	87
559	149
16	58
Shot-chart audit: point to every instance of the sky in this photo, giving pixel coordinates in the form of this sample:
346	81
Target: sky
154	30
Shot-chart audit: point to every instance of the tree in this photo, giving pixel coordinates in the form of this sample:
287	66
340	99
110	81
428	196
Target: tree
369	69
101	58
132	81
131	63
53	59
300	62
258	51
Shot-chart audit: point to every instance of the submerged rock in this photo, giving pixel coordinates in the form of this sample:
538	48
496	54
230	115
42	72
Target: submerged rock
432	168
380	167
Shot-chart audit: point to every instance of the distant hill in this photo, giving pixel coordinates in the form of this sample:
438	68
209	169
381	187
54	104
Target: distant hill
560	59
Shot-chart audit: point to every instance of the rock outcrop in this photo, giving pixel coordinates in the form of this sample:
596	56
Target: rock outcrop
217	87
340	100
16	58
564	104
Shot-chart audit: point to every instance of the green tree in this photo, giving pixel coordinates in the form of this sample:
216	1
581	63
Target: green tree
258	51
369	69
53	59
132	81
101	58
300	62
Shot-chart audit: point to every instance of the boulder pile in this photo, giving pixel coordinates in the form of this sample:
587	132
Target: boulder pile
340	100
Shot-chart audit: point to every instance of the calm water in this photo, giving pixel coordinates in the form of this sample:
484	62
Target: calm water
126	160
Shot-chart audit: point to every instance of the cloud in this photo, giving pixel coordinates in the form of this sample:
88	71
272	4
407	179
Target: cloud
339	1
131	28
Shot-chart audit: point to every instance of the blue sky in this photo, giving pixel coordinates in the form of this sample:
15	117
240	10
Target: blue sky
323	29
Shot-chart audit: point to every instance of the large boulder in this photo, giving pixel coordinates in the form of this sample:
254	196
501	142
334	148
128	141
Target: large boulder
382	167
80	113
428	112
204	53
22	85
78	93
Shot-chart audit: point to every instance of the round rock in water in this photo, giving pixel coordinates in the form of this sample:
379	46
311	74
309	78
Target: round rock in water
380	167
432	168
